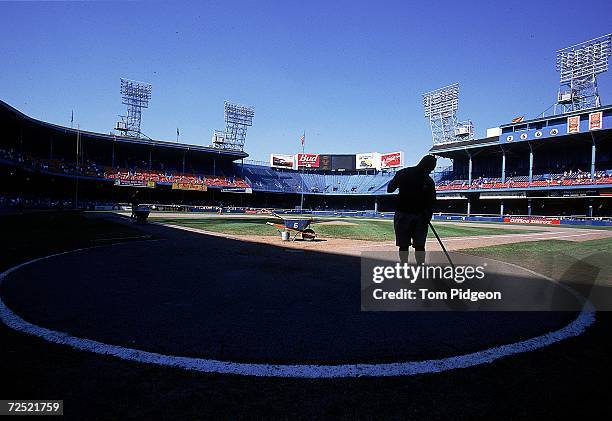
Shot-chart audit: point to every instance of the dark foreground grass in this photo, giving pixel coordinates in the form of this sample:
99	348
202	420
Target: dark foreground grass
26	236
569	380
361	229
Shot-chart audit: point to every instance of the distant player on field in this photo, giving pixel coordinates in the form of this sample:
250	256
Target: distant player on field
135	203
414	208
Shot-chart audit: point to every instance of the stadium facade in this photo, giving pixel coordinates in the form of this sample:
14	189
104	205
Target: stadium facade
557	165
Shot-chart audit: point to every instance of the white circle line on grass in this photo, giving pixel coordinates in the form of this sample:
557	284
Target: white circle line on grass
585	318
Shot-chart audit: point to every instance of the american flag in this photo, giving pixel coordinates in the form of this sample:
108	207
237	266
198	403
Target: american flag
303	138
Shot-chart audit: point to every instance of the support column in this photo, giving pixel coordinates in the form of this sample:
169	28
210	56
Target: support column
469	206
530	163
529	207
470	171
375	204
503	174
113	155
593	156
184	162
501	208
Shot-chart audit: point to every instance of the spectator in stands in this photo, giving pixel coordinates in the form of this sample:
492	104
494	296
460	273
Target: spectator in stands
414	208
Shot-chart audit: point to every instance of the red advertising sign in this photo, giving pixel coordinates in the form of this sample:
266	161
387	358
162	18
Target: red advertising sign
595	122
308	160
391	160
573	124
532	220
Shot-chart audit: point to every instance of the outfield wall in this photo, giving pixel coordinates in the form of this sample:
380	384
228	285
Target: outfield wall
536	220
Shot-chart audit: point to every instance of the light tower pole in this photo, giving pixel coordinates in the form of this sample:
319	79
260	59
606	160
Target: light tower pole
440	107
135	95
578	67
238	118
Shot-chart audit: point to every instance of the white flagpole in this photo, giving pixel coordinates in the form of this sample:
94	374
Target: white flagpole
302	198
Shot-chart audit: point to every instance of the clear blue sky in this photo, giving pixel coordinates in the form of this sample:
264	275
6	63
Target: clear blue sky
350	74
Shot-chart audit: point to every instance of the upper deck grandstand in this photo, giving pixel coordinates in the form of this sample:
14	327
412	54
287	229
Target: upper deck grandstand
540	166
39	158
563	158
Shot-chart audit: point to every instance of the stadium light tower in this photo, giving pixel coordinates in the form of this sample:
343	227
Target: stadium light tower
441	108
578	67
136	96
238	119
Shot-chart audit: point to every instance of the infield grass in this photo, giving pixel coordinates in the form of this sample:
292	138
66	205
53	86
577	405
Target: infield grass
349	228
572	261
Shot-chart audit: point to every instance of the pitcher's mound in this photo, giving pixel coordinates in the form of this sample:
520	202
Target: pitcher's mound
345	223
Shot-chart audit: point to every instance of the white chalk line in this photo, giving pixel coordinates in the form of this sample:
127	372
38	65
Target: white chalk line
575	328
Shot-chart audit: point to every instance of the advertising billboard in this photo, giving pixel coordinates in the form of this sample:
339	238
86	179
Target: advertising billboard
573	124
189	186
308	160
595	121
135	183
325	162
281	161
365	161
390	160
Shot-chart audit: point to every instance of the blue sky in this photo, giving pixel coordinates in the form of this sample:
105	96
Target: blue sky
350	74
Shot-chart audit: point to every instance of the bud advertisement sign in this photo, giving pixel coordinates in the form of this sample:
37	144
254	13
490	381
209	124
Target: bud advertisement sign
308	160
370	160
573	124
391	160
281	161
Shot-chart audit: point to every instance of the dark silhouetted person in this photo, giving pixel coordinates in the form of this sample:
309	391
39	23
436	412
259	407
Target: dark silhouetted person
414	207
135	203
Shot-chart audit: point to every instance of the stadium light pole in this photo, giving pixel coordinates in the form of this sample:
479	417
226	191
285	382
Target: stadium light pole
135	95
238	118
578	67
440	107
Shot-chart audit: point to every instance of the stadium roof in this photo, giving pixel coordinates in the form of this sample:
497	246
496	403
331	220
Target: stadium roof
556	116
6	108
447	147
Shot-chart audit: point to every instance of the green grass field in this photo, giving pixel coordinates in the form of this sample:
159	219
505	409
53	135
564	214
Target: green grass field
360	229
561	260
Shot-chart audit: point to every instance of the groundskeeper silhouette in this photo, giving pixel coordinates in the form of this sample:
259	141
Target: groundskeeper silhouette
414	207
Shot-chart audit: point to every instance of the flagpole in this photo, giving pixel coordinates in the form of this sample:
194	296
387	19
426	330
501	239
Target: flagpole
302	198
